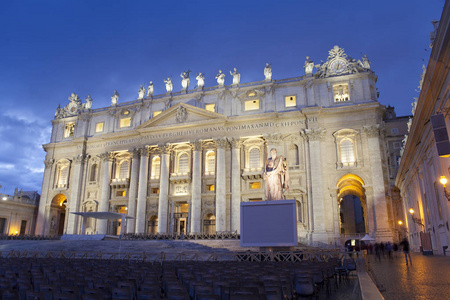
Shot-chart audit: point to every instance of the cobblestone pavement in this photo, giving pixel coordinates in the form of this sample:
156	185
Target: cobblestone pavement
428	277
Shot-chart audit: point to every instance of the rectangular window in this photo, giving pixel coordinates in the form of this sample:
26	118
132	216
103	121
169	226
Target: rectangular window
397	145
155	113
69	130
210	187
210	107
120	193
125	122
255	185
155	190
252	104
340	93
394	130
255	199
290	101
2	225
99	127
23	227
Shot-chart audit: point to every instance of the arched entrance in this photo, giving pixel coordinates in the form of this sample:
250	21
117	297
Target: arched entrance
58	215
153	225
352	206
209	224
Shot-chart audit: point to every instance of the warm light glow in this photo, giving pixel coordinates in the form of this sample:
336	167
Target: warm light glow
155	113
125	122
400	223
99	127
16	232
443	180
411	211
251	104
210	107
4	198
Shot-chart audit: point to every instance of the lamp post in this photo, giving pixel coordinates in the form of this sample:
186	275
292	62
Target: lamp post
443	181
415	220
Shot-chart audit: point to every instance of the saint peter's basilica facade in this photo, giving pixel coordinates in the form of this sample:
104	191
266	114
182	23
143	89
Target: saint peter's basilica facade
184	161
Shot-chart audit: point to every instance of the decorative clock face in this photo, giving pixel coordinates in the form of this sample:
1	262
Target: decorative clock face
338	66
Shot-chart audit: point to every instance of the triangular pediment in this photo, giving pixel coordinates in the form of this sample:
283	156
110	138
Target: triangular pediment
181	114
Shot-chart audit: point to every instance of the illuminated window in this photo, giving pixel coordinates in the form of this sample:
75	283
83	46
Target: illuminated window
183	163
69	130
254	158
156	167
255	199
340	93
210	187
210	165
99	127
155	190
126	112
290	101
155	113
120	193
125	122
347	152
252	104
255	185
210	107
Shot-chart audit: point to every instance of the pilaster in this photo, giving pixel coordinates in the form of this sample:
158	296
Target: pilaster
196	189
142	191
236	185
221	185
164	189
41	219
75	194
107	159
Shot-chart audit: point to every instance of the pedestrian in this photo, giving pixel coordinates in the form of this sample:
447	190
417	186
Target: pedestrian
405	244
382	248
377	251
389	249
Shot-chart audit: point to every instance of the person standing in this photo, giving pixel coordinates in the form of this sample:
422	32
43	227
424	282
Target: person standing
405	245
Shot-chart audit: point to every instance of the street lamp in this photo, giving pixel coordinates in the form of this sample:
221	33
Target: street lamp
400	223
443	181
415	220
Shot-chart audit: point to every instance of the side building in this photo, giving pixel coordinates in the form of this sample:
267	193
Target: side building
18	212
184	161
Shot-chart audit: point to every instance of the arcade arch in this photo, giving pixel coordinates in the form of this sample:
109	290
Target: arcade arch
57	218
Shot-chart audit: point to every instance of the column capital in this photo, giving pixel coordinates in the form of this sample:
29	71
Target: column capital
107	156
235	143
49	163
197	145
80	158
143	151
273	138
372	130
165	148
333	192
313	134
135	152
221	142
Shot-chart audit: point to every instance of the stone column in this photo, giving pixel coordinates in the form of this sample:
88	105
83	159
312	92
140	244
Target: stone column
142	191
379	193
131	223
196	189
314	136
76	179
164	189
221	185
336	212
236	185
107	159
46	185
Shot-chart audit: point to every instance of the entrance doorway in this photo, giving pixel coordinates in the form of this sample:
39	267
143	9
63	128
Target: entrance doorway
58	215
180	218
117	224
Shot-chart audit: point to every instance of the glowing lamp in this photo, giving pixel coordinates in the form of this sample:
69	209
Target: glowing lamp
400	223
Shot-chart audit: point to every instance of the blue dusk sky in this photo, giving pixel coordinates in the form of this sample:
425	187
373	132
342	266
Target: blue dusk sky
49	49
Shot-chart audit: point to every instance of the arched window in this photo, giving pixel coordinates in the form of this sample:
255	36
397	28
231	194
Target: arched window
124	169
183	163
156	167
210	163
94	172
293	155
347	153
254	158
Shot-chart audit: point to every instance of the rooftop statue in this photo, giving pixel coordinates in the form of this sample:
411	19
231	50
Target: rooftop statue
185	81
276	176
321	69
220	78
236	76
365	62
115	98
141	92
200	80
88	103
150	89
309	66
268	72
169	85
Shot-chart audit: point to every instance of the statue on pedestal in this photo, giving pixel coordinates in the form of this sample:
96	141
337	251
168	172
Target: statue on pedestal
236	76
185	81
309	65
88	103
115	98
268	72
141	92
200	80
276	176
365	62
169	85
150	89
220	78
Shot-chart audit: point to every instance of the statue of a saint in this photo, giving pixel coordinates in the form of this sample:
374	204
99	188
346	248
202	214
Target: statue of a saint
276	176
115	98
200	80
220	78
141	92
365	62
169	85
88	103
185	80
309	65
236	76
150	89
268	72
